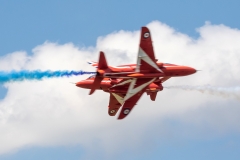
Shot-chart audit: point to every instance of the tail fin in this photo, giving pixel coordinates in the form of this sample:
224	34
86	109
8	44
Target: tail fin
102	65
102	62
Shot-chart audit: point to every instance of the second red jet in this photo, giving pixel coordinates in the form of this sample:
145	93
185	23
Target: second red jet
127	83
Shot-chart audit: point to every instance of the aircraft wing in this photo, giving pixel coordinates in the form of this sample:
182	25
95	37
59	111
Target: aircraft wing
115	102
136	89
146	61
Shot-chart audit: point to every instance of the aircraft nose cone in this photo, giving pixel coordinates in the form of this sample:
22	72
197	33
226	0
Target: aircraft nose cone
192	70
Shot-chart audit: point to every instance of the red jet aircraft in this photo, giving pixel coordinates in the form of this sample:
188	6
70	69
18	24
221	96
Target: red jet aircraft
127	83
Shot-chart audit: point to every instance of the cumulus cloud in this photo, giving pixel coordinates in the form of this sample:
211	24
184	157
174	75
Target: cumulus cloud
54	112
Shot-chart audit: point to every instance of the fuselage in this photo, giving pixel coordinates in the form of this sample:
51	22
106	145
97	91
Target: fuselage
128	71
114	75
108	85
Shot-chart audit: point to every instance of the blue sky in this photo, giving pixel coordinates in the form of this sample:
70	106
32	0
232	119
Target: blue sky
27	24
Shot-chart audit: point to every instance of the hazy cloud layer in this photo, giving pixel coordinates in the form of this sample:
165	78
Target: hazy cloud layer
54	112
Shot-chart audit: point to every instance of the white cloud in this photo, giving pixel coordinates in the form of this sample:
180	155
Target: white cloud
53	112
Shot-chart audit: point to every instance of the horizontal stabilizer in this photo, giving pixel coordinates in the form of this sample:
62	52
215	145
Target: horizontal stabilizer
153	96
102	64
94	64
96	84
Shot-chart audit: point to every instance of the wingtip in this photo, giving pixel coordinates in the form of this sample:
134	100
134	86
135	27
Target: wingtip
145	28
120	117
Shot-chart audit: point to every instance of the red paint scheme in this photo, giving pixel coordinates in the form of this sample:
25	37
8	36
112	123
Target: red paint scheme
127	83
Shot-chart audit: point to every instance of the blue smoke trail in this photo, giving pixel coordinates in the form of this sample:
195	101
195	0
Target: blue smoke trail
37	75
